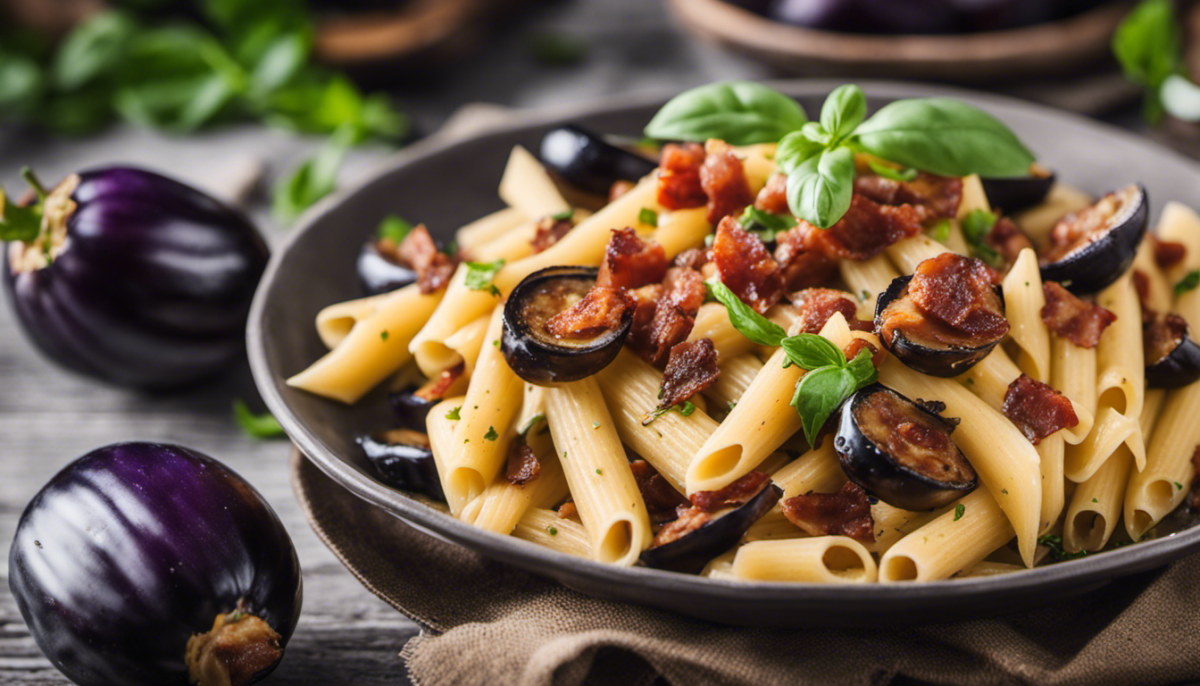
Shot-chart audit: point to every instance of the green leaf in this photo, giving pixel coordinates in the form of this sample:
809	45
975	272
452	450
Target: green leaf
646	216
818	395
256	425
394	228
749	323
820	189
532	422
480	275
738	112
314	179
282	59
1148	45
944	136
810	351
764	224
1055	544
19	223
798	147
1180	98
862	368
92	49
1188	283
21	86
959	511
906	174
843	111
940	231
975	227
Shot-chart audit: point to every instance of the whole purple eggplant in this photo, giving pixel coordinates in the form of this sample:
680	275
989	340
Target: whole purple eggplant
133	277
143	563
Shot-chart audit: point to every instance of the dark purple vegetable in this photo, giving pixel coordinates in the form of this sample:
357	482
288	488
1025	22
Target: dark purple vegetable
584	159
138	554
404	459
1172	357
1016	194
692	551
1090	249
532	352
901	452
410	407
148	282
379	269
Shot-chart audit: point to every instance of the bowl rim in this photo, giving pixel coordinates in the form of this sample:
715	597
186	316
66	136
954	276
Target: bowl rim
530	556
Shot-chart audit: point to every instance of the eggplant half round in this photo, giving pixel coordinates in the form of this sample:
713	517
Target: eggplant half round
533	353
922	350
1018	193
403	459
585	160
901	452
142	564
1090	249
379	270
1176	357
691	552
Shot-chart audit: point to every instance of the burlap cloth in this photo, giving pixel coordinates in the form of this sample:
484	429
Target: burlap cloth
490	624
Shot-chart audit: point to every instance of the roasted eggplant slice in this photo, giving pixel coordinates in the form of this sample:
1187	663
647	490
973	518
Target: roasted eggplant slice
901	452
718	532
1019	193
1090	249
404	459
1172	357
950	338
587	161
537	355
380	268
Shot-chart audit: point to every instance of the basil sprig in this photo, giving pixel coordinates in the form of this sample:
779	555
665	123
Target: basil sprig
830	378
1148	45
937	135
480	274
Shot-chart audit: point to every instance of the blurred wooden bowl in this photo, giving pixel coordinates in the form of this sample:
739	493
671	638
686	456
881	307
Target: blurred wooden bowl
1054	47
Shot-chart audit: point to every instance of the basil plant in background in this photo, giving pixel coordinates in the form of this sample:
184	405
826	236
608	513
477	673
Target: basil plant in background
935	135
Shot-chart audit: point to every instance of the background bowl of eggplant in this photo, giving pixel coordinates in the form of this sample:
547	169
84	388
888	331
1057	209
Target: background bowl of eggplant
446	185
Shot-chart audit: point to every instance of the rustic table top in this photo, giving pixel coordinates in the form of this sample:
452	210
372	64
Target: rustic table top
49	416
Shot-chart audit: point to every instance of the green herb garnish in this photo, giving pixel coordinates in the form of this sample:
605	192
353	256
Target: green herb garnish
648	217
975	227
765	225
394	228
1188	283
940	231
532	422
256	425
959	511
455	414
480	275
563	215
491	434
892	173
1055	544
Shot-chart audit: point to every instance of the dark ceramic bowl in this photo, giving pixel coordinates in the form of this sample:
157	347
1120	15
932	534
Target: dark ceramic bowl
447	185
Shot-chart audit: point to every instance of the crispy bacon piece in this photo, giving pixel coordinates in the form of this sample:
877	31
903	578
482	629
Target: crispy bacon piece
845	513
658	493
1195	499
705	503
691	368
1078	321
549	232
692	258
1037	409
933	197
435	389
1141	284
867	229
724	181
630	262
568	511
599	311
1167	253
816	305
656	331
957	291
854	347
773	197
679	176
433	268
803	263
523	465
620	187
1162	335
745	266
1007	239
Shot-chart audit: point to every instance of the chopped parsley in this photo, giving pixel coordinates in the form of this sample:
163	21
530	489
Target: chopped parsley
1188	283
940	231
600	471
533	421
256	425
480	275
1055	544
454	414
491	434
383	335
564	215
1095	500
648	217
764	224
595	425
394	228
975	227
685	408
1178	486
959	511
1004	491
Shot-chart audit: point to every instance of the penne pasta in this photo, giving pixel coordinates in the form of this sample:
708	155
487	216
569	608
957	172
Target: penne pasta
501	507
868	278
1023	302
527	187
823	559
737	373
955	540
440	427
546	528
1062	199
490	227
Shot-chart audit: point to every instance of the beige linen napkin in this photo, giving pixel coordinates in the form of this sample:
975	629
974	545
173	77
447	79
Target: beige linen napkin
490	624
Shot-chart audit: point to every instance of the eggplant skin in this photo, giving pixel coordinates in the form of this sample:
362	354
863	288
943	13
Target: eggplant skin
691	552
1093	267
153	287
134	547
1178	369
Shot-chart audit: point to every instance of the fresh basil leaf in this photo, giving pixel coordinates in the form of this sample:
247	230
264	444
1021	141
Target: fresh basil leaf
795	149
975	227
280	62
749	323
21	86
1148	45
764	224
314	179
843	111
737	112
256	425
906	174
810	351
820	189
480	274
818	394
19	223
862	369
940	231
1180	98
945	137
1188	283
93	48
394	228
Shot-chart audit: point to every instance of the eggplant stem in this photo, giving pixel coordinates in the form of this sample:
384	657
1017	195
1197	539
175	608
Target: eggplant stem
239	650
34	182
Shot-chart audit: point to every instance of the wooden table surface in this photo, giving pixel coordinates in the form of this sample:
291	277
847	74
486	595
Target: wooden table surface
49	416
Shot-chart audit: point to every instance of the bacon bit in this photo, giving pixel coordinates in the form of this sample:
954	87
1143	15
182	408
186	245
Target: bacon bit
679	176
620	187
523	465
655	332
1195	499
599	311
957	291
745	266
1037	409
1007	239
1079	228
630	262
867	229
692	258
845	513
549	232
773	197
568	511
933	197
816	305
1141	284
658	493
691	368
854	347
1167	253
705	503
687	520
1078	321
724	181
804	264
435	388
1162	335
434	269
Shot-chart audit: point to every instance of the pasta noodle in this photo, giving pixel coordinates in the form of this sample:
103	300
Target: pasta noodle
868	278
546	528
823	559
503	504
991	377
489	227
440	428
527	186
1062	199
952	542
1023	301
737	373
